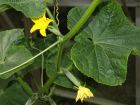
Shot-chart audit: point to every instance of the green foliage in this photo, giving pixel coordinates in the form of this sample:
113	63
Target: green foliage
103	47
100	50
4	83
14	95
49	1
11	55
30	8
61	80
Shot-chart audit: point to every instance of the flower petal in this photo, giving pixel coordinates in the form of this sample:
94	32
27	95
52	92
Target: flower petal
41	23
34	28
83	93
43	32
48	21
34	20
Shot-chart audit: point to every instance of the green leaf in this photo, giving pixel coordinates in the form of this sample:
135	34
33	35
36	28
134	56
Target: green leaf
30	8
103	47
74	15
61	80
49	1
14	95
11	55
4	83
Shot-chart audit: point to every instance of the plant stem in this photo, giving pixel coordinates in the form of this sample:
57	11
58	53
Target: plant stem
52	91
59	55
51	16
42	71
54	76
24	85
83	20
55	28
68	36
48	84
29	60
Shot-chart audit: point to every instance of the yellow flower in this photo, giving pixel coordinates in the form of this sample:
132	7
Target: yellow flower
41	24
83	93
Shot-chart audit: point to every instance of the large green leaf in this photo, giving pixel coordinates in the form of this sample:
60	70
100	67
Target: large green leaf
11	55
14	95
103	47
30	8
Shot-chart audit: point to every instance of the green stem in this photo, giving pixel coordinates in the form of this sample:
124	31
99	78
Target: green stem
51	16
24	85
83	20
59	55
48	84
42	71
29	60
55	28
53	77
68	36
52	91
